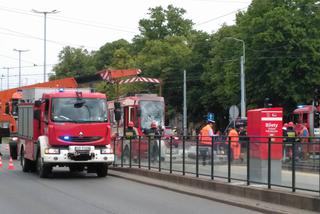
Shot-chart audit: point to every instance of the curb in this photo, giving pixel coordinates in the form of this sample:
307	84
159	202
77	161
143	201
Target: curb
263	200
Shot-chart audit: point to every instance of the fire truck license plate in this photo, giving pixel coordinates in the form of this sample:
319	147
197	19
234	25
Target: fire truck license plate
82	148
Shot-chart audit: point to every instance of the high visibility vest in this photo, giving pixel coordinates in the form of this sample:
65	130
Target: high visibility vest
205	138
234	137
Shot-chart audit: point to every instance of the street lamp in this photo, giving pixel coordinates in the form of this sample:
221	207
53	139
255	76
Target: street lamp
45	37
20	51
242	77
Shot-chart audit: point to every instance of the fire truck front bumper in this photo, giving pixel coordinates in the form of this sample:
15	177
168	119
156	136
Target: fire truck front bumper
78	154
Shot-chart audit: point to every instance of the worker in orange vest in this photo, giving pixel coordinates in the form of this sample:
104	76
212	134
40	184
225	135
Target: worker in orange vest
234	140
206	134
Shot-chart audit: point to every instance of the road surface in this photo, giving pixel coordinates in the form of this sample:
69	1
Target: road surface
85	193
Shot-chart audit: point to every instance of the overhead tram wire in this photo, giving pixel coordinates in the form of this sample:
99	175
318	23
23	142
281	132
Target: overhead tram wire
23	35
70	20
219	17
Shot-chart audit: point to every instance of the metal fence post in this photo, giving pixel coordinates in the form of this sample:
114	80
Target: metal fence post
121	151
183	155
160	154
212	158
114	152
171	154
149	159
293	166
269	162
130	151
248	161
139	152
229	159
197	157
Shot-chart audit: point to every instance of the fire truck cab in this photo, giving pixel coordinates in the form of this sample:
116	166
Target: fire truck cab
142	110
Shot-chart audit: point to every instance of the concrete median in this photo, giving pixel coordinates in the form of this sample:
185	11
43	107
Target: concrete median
237	194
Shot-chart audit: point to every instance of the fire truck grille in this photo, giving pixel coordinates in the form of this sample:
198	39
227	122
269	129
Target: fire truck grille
80	139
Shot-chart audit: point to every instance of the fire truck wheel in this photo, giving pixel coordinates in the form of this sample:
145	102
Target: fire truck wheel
102	170
25	163
42	169
13	150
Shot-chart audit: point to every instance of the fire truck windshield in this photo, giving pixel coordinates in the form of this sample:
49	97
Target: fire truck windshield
151	111
69	110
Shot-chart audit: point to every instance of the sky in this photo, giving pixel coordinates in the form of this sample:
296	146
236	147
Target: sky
85	24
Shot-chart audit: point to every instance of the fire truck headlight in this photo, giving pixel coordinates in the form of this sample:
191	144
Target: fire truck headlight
52	151
66	137
106	150
14	139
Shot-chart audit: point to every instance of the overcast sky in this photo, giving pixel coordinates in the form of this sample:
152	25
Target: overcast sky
88	24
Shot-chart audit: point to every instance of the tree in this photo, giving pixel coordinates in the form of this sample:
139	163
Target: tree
166	59
73	62
103	58
283	50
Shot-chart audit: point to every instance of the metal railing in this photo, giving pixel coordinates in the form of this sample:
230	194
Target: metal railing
270	161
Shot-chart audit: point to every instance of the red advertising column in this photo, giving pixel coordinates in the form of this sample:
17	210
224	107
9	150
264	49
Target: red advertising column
262	124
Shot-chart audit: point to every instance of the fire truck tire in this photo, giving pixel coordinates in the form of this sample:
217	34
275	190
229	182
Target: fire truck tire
42	169
25	163
13	150
102	170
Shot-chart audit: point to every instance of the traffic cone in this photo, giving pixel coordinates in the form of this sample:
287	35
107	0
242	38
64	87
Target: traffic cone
11	166
0	162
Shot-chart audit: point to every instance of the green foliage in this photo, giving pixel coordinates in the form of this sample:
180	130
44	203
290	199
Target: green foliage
282	58
73	62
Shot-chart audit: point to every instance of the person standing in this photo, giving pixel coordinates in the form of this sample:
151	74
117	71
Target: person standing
205	139
234	140
304	139
290	139
130	131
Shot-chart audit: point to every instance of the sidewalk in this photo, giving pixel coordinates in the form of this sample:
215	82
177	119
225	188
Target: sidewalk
163	180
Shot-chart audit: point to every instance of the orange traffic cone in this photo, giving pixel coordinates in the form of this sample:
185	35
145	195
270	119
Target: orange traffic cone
11	166
0	162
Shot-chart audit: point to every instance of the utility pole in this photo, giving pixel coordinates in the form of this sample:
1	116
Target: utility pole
45	39
242	76
20	63
185	103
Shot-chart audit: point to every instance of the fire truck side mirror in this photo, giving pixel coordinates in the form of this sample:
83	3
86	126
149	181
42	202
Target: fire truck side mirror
7	109
117	111
37	114
37	103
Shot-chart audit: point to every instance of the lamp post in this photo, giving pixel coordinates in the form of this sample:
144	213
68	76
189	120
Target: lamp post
45	37
242	76
20	51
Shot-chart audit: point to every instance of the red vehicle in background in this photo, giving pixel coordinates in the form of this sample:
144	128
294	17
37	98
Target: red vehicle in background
308	115
169	135
142	110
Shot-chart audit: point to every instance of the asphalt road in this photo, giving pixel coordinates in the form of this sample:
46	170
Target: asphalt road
85	193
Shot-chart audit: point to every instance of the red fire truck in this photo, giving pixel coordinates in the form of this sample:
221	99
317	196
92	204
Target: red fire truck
64	128
142	110
9	100
308	115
